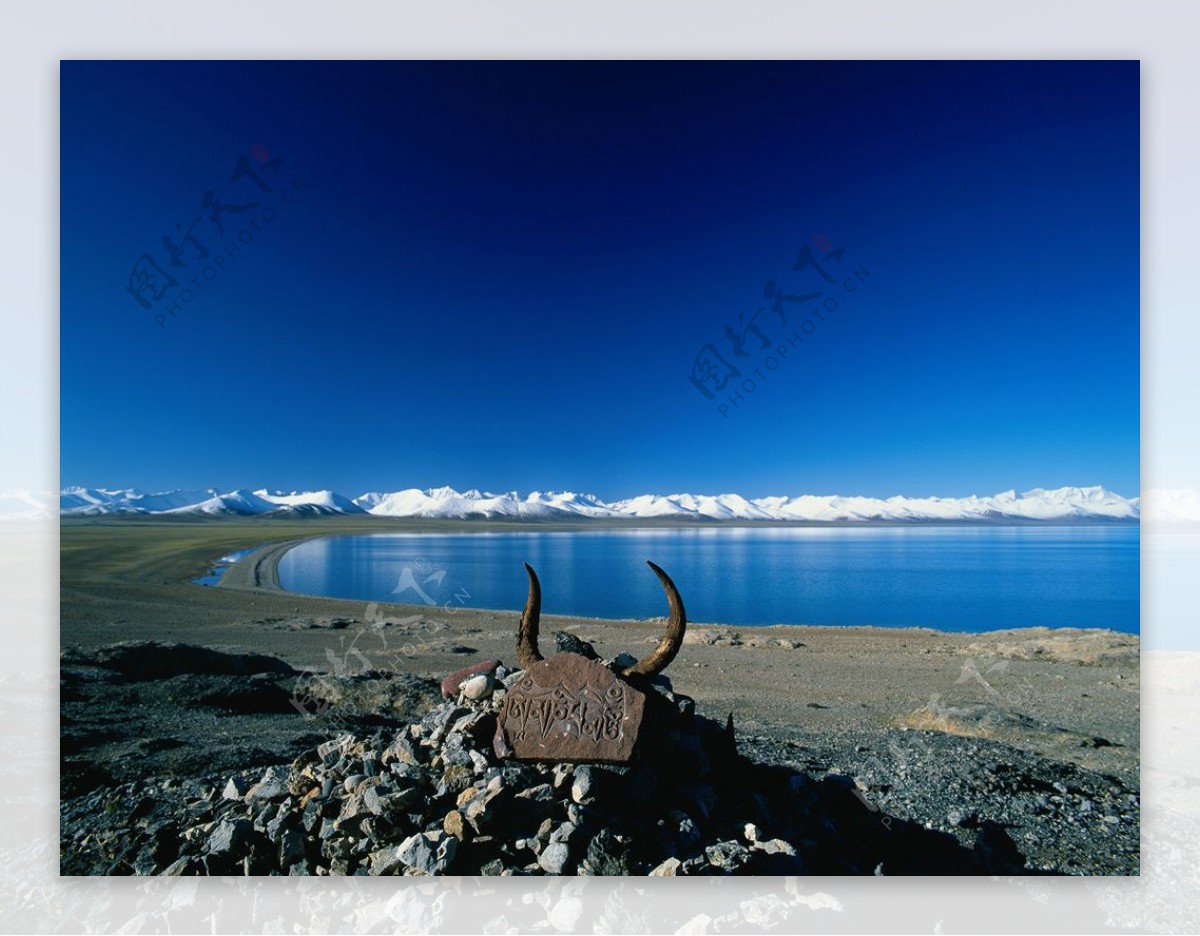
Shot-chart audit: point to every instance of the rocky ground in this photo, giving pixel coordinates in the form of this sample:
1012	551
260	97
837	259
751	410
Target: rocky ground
1025	744
380	775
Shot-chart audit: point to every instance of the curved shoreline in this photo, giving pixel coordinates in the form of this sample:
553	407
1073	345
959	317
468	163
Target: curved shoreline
259	571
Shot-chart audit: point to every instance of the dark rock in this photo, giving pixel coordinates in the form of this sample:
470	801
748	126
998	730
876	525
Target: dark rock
187	864
456	779
262	817
727	856
385	861
512	679
455	751
276	827
330	752
273	785
542	793
405	751
566	833
695	865
428	852
229	837
311	815
153	659
566	642
607	856
583	816
291	848
478	726
479	811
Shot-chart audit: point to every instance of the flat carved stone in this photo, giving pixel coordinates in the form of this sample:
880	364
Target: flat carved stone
569	708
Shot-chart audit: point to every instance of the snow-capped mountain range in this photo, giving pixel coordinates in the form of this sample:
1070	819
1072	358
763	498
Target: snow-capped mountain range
1067	504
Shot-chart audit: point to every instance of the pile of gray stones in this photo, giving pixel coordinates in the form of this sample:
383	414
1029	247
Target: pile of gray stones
431	797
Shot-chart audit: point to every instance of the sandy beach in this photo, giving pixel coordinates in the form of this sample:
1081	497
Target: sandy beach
870	703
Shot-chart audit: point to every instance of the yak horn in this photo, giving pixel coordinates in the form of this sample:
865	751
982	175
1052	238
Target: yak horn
665	652
527	635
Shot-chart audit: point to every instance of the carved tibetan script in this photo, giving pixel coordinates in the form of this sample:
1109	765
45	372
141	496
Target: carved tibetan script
569	708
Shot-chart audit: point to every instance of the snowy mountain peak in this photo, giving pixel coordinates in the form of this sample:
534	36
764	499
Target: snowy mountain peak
1066	504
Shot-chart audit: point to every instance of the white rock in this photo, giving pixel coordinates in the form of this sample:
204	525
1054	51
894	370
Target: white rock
553	859
477	687
669	868
235	789
583	785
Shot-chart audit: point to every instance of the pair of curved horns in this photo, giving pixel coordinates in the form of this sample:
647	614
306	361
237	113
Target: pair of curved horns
655	662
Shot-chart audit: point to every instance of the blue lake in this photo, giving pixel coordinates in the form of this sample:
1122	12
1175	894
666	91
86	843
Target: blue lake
959	578
220	567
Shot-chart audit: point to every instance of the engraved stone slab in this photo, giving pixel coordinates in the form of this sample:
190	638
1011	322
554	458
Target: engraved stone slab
569	708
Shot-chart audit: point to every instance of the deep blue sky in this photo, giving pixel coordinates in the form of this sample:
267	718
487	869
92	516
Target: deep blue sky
499	275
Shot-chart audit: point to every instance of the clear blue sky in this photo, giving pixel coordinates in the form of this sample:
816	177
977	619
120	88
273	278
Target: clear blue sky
500	275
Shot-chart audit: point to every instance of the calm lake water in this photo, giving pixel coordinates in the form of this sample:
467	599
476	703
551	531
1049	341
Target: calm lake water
953	578
221	566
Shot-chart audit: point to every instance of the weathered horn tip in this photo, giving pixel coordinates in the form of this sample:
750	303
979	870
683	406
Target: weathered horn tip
660	572
668	647
527	633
